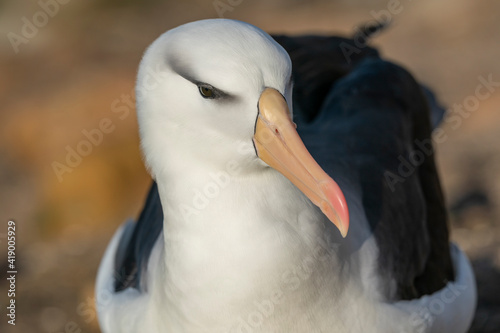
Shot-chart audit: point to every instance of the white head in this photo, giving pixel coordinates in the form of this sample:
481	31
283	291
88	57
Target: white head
237	61
212	91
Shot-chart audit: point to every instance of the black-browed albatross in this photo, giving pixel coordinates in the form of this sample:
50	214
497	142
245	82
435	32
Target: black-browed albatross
245	231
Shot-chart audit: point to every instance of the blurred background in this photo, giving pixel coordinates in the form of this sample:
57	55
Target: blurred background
68	67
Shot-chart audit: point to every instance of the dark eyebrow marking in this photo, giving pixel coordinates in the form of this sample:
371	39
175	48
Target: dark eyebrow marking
181	69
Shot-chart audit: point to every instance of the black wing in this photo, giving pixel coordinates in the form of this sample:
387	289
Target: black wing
373	117
137	242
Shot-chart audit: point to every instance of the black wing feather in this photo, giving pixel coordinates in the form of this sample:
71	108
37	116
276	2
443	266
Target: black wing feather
374	113
373	119
137	242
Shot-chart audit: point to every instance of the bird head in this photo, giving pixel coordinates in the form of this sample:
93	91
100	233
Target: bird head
217	91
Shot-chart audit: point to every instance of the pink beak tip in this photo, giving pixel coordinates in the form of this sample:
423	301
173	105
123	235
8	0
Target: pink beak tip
337	210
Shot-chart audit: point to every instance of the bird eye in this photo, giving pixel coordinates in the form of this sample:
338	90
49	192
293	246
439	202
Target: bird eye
206	91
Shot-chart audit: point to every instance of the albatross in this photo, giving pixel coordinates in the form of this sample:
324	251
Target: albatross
295	190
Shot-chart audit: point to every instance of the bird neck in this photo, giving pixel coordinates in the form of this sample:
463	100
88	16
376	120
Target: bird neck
232	241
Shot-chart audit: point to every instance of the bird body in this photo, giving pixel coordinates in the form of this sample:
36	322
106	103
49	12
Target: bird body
237	235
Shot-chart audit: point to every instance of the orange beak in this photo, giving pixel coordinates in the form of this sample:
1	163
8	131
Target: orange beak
279	145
